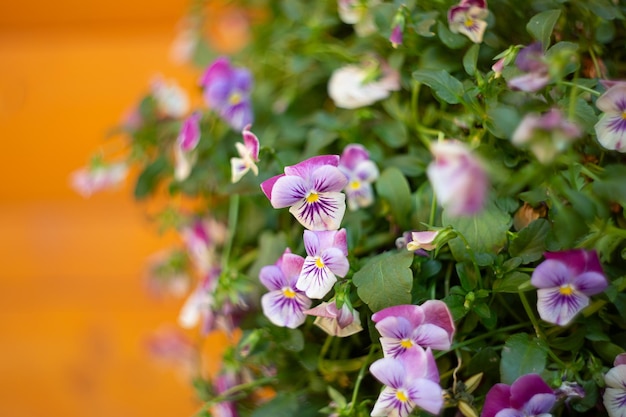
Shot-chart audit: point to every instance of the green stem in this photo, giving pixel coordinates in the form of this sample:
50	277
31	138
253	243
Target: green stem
531	316
487	335
233	213
581	87
360	376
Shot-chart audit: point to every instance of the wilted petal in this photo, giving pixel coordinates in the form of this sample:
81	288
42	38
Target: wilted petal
559	307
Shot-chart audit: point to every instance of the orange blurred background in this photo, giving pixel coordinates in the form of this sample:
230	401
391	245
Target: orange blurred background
74	313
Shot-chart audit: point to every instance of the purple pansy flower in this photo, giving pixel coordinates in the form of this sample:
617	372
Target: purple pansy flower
410	382
97	177
468	18
171	99
407	327
186	143
361	172
611	128
528	396
565	281
199	308
248	155
396	36
225	381
201	236
531	60
227	91
284	305
458	178
547	134
614	396
341	322
312	190
327	258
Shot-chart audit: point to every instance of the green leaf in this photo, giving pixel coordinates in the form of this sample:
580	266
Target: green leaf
385	280
284	404
530	241
485	234
450	39
470	58
409	165
511	282
150	177
393	133
541	26
445	86
502	120
522	355
393	188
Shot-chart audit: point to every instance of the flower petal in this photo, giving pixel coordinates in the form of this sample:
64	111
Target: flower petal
550	273
557	308
305	168
316	282
611	132
590	283
414	314
324	214
287	191
272	278
429	335
328	178
613	100
285	311
391	372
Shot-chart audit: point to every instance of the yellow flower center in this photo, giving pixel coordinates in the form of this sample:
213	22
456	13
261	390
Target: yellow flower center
566	290
400	395
312	197
235	98
468	22
355	185
624	115
406	343
319	263
288	292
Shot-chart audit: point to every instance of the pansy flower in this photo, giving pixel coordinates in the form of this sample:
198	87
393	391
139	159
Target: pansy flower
199	308
326	259
546	134
566	280
407	327
227	91
531	60
248	156
341	322
410	382
354	86
611	128
186	143
357	13
458	178
422	240
223	382
529	395
468	18
615	393
312	191
171	99
361	172
201	236
284	304
97	177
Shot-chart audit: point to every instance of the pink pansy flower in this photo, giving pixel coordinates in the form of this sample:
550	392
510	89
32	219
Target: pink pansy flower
407	327
199	306
614	396
98	177
341	322
531	60
312	191
410	382
225	381
284	304
186	143
326	259
566	280
361	172
354	86
546	134
201	237
529	395
172	101
357	13
422	240
248	155
468	18
458	178
611	128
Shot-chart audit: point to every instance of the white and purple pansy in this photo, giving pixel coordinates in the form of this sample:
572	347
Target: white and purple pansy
312	190
248	156
407	327
468	17
411	381
565	281
327	258
531	60
614	397
227	91
284	304
360	172
611	128
529	395
97	177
